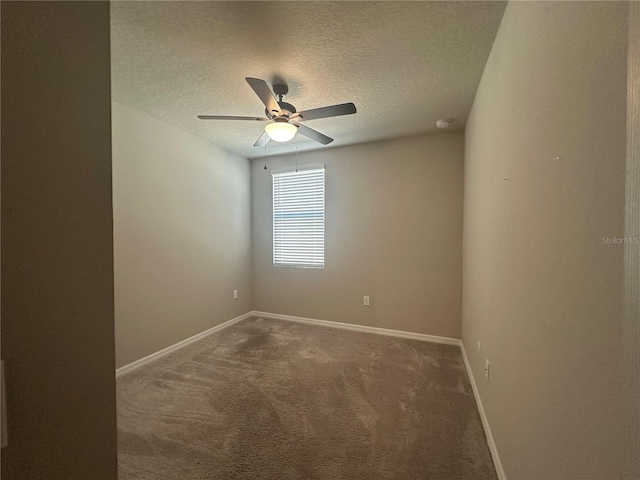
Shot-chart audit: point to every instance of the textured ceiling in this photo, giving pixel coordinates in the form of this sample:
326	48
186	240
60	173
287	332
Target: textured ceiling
404	64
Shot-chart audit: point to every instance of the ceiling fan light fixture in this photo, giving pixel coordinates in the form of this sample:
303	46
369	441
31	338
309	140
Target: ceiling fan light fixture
280	131
279	114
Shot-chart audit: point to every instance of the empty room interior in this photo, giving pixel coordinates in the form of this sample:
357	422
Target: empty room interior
320	240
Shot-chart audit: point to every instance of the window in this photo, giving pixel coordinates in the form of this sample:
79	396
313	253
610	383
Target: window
298	217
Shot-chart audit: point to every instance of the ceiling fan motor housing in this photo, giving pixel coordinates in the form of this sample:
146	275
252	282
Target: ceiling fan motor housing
286	108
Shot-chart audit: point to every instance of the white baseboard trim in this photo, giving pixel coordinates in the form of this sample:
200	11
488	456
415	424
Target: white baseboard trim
165	351
361	328
485	422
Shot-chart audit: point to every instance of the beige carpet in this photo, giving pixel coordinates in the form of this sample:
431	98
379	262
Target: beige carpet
268	399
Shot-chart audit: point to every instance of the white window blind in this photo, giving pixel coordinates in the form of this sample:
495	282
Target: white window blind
298	217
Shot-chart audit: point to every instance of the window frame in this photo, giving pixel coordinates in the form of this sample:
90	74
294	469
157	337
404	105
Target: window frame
279	245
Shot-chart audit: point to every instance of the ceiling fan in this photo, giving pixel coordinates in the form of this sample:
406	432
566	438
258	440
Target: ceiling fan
284	120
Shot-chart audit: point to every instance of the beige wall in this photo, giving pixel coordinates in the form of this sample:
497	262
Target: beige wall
57	260
631	327
182	234
393	232
542	293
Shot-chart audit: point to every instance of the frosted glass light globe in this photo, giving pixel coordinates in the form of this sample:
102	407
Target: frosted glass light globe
280	131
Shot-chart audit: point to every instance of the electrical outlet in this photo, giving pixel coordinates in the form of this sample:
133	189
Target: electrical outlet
365	300
486	368
479	347
235	294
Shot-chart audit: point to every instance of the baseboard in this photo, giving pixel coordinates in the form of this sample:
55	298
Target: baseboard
361	328
324	323
485	422
165	351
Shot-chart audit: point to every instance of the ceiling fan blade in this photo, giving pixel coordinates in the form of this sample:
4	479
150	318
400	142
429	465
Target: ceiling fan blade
314	135
264	92
324	112
262	141
224	117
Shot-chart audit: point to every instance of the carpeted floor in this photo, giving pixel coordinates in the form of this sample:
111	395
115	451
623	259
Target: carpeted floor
274	400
